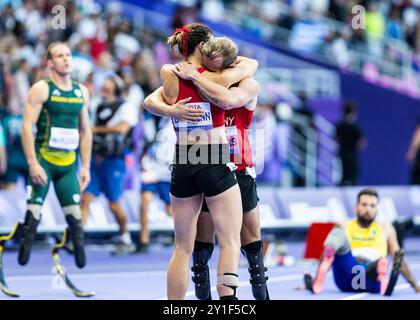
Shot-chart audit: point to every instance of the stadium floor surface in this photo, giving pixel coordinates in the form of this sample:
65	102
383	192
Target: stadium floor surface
143	276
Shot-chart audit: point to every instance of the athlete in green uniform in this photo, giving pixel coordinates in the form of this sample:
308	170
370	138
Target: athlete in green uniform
58	107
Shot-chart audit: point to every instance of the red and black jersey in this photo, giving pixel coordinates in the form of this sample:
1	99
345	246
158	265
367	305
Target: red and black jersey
237	122
213	116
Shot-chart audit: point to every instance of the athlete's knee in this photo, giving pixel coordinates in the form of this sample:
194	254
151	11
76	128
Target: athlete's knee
228	237
85	202
205	233
231	244
229	280
86	199
73	210
205	237
169	210
249	235
145	201
115	205
184	247
35	210
337	239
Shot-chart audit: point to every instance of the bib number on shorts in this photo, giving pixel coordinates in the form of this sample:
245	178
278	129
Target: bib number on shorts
64	139
205	123
232	136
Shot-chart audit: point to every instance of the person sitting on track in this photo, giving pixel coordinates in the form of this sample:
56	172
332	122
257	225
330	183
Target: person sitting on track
357	252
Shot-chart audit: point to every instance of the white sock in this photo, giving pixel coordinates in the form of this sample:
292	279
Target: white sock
126	238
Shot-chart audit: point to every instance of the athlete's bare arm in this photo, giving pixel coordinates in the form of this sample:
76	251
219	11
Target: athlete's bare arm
394	247
155	103
170	83
233	97
158	102
162	102
37	95
341	224
121	127
85	140
217	94
244	68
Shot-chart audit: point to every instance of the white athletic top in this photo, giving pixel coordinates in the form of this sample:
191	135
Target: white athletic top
155	163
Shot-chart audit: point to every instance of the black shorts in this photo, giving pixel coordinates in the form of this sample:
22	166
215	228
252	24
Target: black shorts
248	187
201	169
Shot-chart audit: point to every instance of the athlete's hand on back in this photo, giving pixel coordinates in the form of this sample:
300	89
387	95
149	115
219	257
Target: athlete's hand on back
84	178
181	112
38	174
185	70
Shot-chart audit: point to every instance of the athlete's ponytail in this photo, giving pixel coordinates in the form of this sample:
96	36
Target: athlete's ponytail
186	39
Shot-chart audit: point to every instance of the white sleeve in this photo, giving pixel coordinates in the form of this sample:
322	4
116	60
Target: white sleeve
135	95
126	113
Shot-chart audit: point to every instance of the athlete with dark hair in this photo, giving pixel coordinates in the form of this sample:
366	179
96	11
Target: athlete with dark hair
361	245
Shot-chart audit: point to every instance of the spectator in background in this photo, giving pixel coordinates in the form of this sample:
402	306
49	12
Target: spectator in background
135	94
213	10
337	10
357	40
113	119
375	28
83	63
104	69
185	15
16	161
271	10
3	156
308	33
337	49
300	133
156	176
395	28
413	155
3	107
265	119
350	139
146	71
8	19
93	28
20	88
125	45
23	50
31	18
411	17
417	44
